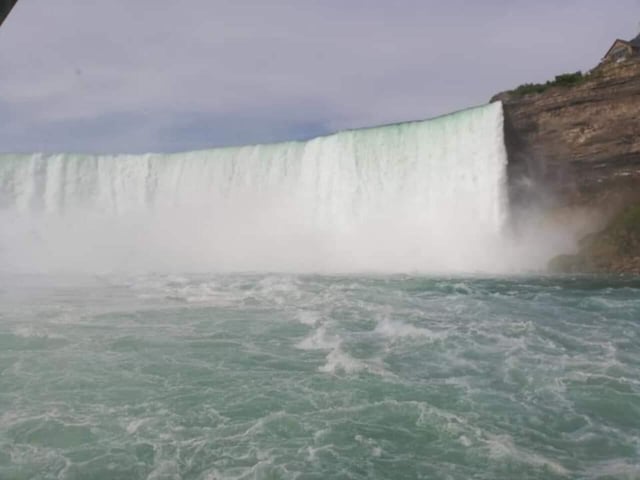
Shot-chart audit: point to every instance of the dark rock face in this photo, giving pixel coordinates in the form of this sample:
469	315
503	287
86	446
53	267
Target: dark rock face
576	149
580	143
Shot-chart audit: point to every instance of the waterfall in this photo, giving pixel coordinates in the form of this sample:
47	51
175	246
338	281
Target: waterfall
426	195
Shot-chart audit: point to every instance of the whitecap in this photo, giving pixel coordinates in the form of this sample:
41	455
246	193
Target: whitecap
502	446
338	361
319	340
395	329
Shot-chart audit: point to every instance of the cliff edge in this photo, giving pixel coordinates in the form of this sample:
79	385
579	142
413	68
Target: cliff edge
576	147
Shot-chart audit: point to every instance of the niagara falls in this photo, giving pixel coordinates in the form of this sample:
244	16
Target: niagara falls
319	240
421	196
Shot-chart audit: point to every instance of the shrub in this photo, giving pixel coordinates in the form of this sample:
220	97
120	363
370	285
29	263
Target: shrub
564	80
568	79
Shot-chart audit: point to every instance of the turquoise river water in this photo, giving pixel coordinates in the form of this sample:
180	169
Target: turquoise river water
319	377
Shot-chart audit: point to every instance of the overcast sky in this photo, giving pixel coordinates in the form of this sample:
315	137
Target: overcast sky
167	75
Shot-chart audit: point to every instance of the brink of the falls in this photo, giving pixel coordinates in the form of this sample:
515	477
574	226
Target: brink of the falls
419	196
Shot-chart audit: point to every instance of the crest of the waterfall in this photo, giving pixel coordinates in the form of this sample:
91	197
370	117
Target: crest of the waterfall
420	196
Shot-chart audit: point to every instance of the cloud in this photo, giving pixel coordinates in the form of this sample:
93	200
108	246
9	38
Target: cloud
156	75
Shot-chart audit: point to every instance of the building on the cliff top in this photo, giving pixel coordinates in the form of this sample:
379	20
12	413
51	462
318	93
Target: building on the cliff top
622	49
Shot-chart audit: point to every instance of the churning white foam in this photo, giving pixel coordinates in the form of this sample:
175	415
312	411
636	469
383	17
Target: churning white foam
418	196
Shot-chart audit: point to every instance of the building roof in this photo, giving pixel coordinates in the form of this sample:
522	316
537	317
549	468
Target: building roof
617	42
634	44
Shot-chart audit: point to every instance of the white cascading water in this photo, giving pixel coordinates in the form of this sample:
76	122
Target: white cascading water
418	196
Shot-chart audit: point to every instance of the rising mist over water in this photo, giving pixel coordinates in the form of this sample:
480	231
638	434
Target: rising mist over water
421	196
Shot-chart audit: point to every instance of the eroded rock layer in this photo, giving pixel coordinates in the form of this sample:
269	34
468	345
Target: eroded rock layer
581	143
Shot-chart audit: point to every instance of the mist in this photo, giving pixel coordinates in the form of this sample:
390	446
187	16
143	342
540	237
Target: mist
426	196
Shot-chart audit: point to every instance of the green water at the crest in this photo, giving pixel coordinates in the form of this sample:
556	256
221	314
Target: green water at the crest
316	377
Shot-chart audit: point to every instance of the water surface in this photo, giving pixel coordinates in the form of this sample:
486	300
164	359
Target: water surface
316	377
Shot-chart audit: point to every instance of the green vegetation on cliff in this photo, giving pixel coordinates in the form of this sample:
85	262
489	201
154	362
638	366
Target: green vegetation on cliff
614	249
564	80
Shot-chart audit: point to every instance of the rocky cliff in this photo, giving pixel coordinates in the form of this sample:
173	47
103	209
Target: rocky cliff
577	148
581	142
